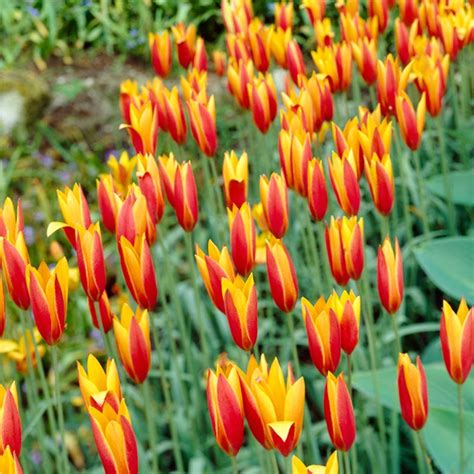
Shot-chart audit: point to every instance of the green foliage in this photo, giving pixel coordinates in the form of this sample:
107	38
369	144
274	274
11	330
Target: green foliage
460	182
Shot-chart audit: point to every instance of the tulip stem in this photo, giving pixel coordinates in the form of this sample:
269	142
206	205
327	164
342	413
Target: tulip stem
347	464
396	333
421	191
235	468
373	97
349	373
461	429
323	254
445	170
313	250
149	412
59	405
384	227
422	444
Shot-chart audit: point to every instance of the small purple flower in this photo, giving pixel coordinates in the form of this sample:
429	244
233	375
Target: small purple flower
46	160
38	216
96	336
65	176
133	32
33	11
29	234
36	457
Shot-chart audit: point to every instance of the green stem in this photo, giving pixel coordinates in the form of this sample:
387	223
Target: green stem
347	464
59	405
398	341
323	255
422	444
349	373
235	469
461	429
273	462
312	245
356	90
149	413
418	453
445	171
373	97
422	193
384	227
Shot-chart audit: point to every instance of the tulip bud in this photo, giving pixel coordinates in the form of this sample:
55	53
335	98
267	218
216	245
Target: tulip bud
214	267
218	58
259	39
238	47
107	202
457	340
332	466
274	198
295	60
10	421
185	40
315	9
239	75
242	237
132	336
235	172
279	45
200	56
408	11
339	412
185	198
336	63
365	55
379	9
281	276
412	391
324	335
381	184
449	36
224	401
411	123
11	225
263	101
317	192
168	166
284	15
240	305
348	140
202	117
160	49
321	97
175	121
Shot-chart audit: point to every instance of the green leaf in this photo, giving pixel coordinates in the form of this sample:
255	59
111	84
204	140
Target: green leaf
460	183
449	264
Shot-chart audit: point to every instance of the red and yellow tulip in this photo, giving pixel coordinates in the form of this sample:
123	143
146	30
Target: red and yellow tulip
175	120
364	52
200	55
336	63
202	117
295	60
235	172
239	76
317	192
411	122
347	309
284	15
10	421
263	101
379	175
259	40
331	467
219	60
185	197
160	49
9	463
185	40
242	237
274	199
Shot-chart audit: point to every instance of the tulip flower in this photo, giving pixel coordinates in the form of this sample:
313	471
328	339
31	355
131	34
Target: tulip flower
10	421
104	313
336	63
390	80
339	412
332	466
114	438
284	15
279	45
9	463
240	307
365	55
24	349
408	11
320	93
457	340
263	101
49	298
196	81
239	75
185	40
200	56
259	39
122	171
160	49
154	92
323	33
107	202
404	40
143	127
128	95
301	106
315	9
412	391
238	47
295	152
295	60
224	401
347	309
99	386
214	267
343	175
449	37
324	334
379	9
235	172
381	183
202	117
348	140
281	275
317	192
218	58
242	237
185	198
236	15
345	247
10	224
3	308
175	121
168	166
411	122
132	336
274	198
138	270
274	410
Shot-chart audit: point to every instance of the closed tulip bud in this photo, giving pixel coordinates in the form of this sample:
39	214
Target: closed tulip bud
241	309
160	49
90	260
411	122
114	438
404	40
9	463
235	172
107	203
98	385
345	247
457	340
10	421
226	411
139	271
279	44
336	63
185	40
324	334
202	117
295	153
104	312
349	140
274	198
239	75
380	178
284	15
379	9
315	9
259	39
185	197
218	58
49	298
295	60
343	175
214	267
242	237
408	11
168	166
339	412
412	391
128	94
321	96
132	336
14	257
200	56
365	55
317	191
263	101
149	182
347	309
274	410
332	466
238	47
175	120
281	276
